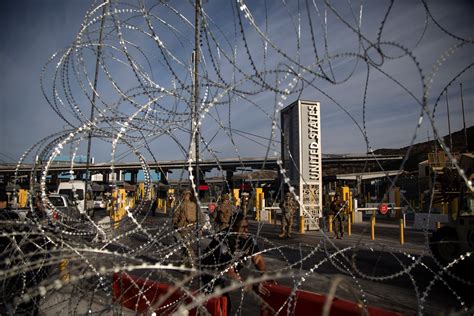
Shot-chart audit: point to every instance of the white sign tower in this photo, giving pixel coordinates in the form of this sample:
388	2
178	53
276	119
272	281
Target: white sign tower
301	156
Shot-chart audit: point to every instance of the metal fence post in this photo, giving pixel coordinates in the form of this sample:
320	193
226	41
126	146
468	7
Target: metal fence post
372	226
402	230
349	226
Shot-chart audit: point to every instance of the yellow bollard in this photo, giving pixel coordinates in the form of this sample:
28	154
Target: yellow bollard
22	198
258	214
235	197
445	207
372	227
302	224
349	225
258	198
438	225
455	207
63	270
269	216
402	232
330	218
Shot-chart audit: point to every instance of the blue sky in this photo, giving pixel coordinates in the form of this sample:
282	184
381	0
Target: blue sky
240	123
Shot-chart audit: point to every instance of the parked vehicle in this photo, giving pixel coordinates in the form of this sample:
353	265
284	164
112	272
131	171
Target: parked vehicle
99	202
62	205
98	192
80	196
456	238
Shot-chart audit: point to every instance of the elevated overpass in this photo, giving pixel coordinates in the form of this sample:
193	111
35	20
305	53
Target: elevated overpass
228	164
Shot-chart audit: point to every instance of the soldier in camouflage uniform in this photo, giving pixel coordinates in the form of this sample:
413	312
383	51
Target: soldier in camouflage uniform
184	219
337	209
224	212
170	201
287	215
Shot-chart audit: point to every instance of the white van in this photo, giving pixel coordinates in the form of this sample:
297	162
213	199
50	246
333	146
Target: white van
76	192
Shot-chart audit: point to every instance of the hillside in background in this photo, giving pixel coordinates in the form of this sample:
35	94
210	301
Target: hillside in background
419	152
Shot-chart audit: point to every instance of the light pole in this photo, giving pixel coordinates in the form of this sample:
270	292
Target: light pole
464	121
449	123
96	78
195	116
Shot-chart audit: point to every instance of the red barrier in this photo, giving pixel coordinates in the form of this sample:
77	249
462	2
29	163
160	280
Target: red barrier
308	303
139	294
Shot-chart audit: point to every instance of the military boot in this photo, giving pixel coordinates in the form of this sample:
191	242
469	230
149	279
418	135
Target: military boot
282	234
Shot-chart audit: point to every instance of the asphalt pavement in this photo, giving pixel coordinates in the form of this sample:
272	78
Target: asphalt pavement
380	272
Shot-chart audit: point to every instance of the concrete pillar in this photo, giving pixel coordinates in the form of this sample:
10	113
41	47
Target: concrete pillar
38	176
80	175
359	185
164	176
229	178
105	176
54	179
134	177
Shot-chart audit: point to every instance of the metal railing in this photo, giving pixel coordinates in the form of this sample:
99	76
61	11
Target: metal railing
402	221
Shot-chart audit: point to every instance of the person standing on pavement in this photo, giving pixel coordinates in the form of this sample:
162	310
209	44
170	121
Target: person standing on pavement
38	207
224	212
287	215
245	203
154	205
185	213
212	210
336	209
227	254
170	201
184	220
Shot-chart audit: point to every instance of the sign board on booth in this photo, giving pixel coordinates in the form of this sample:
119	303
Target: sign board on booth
301	157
